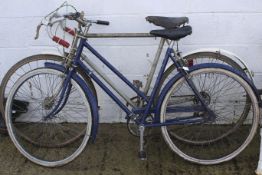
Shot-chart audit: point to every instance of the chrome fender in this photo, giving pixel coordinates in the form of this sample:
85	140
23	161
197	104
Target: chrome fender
223	52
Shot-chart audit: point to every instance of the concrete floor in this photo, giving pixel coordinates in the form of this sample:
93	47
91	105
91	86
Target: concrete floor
115	152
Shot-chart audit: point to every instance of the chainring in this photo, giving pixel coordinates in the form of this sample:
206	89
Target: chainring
132	127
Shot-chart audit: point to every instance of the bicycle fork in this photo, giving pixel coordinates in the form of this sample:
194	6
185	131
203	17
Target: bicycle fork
65	90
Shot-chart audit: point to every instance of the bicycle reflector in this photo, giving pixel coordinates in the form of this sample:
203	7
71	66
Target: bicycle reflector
190	63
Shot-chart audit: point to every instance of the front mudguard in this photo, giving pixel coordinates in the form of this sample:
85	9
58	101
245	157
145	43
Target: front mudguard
89	94
196	67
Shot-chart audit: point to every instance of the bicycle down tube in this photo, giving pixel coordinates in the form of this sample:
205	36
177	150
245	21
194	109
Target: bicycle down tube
147	110
78	62
121	93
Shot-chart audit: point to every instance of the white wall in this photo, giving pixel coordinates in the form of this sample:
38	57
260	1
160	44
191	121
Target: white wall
234	25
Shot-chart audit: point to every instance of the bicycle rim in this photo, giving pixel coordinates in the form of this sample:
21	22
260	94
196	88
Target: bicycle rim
211	141
42	139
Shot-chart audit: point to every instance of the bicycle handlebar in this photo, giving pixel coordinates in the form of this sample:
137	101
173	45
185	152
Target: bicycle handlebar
79	18
102	22
76	16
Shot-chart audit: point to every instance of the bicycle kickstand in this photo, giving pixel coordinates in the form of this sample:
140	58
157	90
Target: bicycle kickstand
142	153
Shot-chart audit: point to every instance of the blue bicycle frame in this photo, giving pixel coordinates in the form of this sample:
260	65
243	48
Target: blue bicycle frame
144	111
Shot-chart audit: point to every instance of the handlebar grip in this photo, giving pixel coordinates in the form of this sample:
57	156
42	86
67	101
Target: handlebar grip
60	41
70	31
102	22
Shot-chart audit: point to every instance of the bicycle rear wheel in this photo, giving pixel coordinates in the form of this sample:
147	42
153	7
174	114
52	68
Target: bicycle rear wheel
20	68
48	141
200	58
200	139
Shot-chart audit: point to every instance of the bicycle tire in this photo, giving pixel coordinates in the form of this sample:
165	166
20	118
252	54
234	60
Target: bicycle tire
209	153
75	115
199	58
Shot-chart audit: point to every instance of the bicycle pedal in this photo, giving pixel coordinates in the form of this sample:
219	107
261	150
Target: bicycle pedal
142	155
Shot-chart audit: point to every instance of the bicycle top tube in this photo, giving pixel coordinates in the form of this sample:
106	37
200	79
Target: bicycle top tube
132	35
118	35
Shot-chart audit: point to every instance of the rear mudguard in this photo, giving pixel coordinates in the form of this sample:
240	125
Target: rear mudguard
90	96
196	67
221	52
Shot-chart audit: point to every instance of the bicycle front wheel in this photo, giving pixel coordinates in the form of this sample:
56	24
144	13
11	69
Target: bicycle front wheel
202	139
47	141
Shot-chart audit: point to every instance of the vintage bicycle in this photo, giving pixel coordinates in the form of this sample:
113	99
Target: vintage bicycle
201	111
204	55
